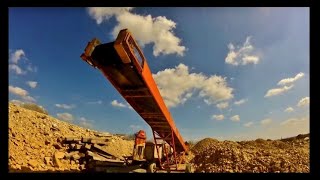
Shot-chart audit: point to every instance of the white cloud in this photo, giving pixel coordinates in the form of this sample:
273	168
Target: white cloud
250	60
104	13
177	85
65	106
32	68
295	122
240	101
65	116
146	29
265	122
278	91
218	117
22	93
85	122
18	91
248	124
222	105
82	119
291	127
304	102
287	128
289	109
16	69
32	84
16	56
283	82
17	102
28	98
230	59
115	103
242	55
129	106
291	80
215	88
235	118
95	102
207	101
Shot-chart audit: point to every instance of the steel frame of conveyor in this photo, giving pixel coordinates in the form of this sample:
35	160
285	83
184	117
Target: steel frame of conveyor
124	46
170	136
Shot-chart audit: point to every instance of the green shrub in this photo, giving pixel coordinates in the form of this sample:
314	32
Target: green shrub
34	107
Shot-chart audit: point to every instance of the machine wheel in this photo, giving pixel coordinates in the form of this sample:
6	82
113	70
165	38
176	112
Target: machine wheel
152	168
188	168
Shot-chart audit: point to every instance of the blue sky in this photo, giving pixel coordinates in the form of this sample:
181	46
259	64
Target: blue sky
226	73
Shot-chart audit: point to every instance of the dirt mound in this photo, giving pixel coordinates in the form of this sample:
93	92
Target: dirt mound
35	145
252	156
35	141
203	145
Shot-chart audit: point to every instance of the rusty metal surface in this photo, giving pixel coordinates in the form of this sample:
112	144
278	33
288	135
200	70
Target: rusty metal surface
124	65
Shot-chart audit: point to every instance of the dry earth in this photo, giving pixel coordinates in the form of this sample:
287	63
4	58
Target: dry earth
286	155
35	145
35	140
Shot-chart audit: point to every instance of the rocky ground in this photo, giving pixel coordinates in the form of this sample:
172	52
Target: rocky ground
35	142
287	155
35	145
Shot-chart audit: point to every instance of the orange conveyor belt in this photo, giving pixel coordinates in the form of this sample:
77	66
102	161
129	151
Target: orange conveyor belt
124	65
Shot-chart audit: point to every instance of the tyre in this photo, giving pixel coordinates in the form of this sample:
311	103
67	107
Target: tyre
152	167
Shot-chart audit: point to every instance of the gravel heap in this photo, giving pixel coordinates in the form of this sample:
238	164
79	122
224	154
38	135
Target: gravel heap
35	145
35	142
287	155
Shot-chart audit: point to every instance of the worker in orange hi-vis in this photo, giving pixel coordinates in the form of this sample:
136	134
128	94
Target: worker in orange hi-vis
140	137
139	145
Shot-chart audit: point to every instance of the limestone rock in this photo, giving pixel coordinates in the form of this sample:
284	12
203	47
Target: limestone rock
57	162
33	163
56	145
47	160
59	154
